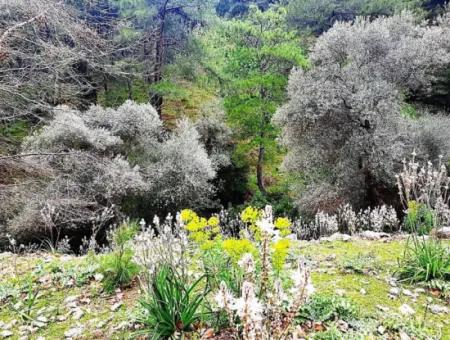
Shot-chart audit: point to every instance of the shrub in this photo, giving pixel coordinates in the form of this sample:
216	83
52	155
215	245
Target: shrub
419	219
425	260
94	166
171	305
322	308
118	267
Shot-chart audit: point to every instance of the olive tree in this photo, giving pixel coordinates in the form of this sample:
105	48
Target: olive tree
353	114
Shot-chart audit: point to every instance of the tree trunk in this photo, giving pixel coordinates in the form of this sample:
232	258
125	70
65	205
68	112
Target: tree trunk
260	169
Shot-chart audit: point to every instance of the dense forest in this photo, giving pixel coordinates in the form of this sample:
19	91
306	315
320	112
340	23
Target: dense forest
295	118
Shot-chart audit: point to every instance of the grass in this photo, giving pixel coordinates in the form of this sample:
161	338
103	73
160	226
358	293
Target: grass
328	278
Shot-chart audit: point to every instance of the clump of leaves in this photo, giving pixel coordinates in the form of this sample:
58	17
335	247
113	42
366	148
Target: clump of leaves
419	218
322	308
361	264
441	287
424	260
414	328
118	267
172	306
331	333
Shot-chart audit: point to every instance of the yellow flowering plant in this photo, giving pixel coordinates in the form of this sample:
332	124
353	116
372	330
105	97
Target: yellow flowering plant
236	248
280	251
201	230
283	224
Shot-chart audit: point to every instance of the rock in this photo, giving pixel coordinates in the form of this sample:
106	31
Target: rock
437	309
77	314
381	330
98	277
404	336
407	292
340	292
373	235
74	332
336	237
70	299
61	318
394	291
42	318
406	309
6	334
342	326
443	233
39	324
116	306
383	308
419	291
363	291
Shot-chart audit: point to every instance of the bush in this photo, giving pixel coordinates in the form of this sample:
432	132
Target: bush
90	165
322	308
118	267
171	306
419	219
424	260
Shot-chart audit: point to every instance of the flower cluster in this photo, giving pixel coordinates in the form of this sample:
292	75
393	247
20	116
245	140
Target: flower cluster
201	230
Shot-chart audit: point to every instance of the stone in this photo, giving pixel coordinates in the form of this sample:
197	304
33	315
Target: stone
6	334
116	306
437	309
394	291
443	233
406	309
373	235
74	332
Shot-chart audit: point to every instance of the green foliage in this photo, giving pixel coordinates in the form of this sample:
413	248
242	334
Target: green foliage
322	308
331	333
424	260
172	305
419	219
118	267
252	58
360	264
319	15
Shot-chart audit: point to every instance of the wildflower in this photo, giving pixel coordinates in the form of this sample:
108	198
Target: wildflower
250	215
283	224
247	307
280	253
235	249
224	298
247	263
213	221
187	215
266	227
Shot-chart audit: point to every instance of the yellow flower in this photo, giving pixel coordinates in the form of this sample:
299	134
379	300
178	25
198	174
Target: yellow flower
250	215
280	253
188	215
283	224
235	249
213	221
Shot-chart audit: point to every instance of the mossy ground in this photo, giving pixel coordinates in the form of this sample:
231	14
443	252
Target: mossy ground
339	268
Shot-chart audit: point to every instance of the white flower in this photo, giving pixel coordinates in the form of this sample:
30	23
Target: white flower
223	298
247	263
248	306
266	226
